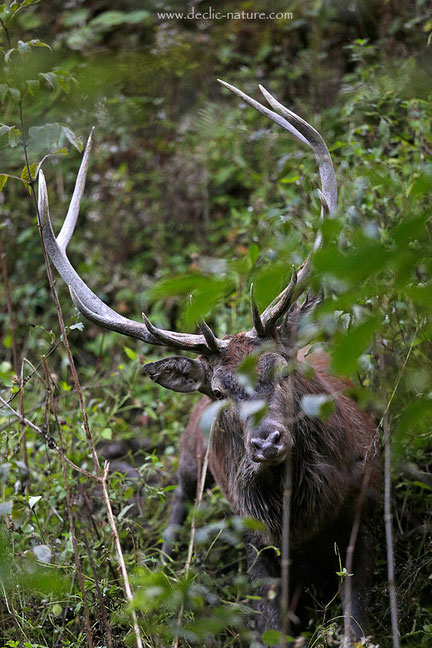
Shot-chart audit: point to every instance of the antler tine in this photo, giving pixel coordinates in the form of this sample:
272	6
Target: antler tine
296	312
273	313
315	141
256	317
212	341
306	134
84	299
68	226
266	112
173	340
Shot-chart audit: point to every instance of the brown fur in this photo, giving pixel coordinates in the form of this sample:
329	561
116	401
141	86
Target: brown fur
329	461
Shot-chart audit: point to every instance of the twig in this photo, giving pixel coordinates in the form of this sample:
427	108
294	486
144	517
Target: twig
6	32
49	440
84	495
99	593
285	611
119	552
348	638
412	471
35	370
9	303
387	508
387	407
198	499
69	507
285	558
18	373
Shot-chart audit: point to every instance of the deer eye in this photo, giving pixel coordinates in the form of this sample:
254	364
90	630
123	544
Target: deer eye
218	394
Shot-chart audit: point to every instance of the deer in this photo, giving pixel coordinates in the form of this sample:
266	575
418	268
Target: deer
335	462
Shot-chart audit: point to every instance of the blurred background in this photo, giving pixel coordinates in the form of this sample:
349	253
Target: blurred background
190	191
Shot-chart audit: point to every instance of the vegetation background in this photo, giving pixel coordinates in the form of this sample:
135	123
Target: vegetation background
192	192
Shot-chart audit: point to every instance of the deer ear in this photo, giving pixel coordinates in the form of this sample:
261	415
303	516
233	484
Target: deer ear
178	373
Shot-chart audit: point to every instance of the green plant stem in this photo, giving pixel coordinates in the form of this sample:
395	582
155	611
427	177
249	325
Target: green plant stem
387	508
69	507
6	32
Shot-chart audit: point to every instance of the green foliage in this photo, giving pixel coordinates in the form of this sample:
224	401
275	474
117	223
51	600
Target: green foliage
192	193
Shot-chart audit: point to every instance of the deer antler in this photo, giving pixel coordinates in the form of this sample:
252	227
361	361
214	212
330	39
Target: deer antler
87	302
265	324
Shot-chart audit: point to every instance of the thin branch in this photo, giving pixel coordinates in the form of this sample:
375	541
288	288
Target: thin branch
198	499
285	553
387	508
69	507
6	32
35	370
396	385
9	303
347	589
285	611
48	439
18	373
99	593
119	552
84	495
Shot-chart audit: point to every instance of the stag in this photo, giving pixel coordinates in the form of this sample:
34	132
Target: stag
334	462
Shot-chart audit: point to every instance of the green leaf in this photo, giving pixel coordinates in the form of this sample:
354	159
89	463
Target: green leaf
42	553
19	514
35	42
422	485
253	253
51	79
24	47
34	500
6	508
5	129
63	81
25	174
351	344
124	511
130	353
77	326
253	409
60	151
416	417
33	86
9	54
318	406
109	19
423	185
169	488
15	94
14	135
210	415
7	340
3	180
289	179
106	433
3	91
73	139
272	637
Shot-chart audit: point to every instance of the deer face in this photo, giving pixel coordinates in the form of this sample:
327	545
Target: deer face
258	408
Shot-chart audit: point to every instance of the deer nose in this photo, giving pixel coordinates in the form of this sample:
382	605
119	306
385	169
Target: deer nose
266	447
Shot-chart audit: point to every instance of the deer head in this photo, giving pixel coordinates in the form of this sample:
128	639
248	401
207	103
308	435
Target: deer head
213	372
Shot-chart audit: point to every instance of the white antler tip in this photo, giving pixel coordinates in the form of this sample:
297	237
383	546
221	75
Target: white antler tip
42	192
74	296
